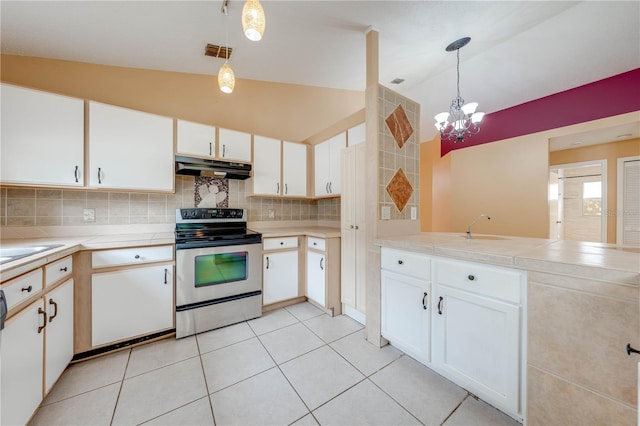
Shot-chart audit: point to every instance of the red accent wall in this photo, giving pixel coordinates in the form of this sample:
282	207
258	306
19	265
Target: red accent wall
611	96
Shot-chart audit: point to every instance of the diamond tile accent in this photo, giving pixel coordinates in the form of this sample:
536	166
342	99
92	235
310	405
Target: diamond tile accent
400	189
399	125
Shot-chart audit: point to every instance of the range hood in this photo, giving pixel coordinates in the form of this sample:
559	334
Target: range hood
212	168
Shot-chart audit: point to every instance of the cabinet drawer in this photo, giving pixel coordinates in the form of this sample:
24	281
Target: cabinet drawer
407	263
492	281
131	256
316	243
22	287
53	272
280	243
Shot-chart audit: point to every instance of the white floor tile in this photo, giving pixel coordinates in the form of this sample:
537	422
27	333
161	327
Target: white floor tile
225	336
309	376
234	363
290	342
195	413
474	412
155	393
307	420
270	321
332	328
364	404
89	375
424	393
91	408
303	311
160	354
265	399
365	356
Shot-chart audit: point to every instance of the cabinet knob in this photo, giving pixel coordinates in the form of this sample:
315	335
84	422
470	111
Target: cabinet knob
27	289
357	227
400	262
631	350
65	269
471	278
352	226
315	244
137	256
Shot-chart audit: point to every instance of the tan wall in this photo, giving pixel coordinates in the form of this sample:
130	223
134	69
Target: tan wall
283	111
435	188
610	152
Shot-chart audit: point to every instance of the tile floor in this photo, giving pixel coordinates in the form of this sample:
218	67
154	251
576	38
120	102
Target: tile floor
291	366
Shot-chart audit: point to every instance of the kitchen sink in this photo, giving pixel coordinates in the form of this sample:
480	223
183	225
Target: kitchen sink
8	254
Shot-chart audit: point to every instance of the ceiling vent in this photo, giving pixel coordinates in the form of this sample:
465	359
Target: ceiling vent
218	51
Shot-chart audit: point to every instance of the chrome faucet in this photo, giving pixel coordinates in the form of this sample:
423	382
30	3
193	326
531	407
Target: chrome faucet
475	220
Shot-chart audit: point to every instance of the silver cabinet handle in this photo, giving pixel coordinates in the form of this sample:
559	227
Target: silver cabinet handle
210	148
321	261
99	175
166	272
267	262
277	187
224	150
76	174
424	299
286	189
440	305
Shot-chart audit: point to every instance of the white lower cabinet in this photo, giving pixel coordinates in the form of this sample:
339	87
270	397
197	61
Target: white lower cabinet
59	332
316	277
131	302
280	276
21	362
477	330
405	295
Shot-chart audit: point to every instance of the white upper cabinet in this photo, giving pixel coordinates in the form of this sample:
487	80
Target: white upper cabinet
327	165
234	146
356	135
294	169
266	166
130	149
196	139
42	138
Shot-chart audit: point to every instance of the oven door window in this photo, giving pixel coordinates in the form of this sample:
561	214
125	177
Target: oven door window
211	269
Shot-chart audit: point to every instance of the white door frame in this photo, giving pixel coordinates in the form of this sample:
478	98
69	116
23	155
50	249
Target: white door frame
603	164
620	200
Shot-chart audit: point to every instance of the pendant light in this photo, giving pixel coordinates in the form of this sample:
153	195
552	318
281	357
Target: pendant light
226	78
253	20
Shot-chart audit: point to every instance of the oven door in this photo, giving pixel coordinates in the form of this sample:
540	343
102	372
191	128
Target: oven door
209	273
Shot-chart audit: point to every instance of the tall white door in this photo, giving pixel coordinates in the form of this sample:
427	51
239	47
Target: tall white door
629	207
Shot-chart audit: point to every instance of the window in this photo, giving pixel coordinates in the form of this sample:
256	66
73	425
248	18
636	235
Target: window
592	198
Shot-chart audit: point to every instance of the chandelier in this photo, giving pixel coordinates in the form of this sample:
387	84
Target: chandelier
253	20
462	119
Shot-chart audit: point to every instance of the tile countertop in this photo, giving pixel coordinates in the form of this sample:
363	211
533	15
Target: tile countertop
589	260
292	231
72	244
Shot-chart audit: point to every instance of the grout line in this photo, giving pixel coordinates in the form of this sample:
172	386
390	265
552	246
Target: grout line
455	409
206	384
120	390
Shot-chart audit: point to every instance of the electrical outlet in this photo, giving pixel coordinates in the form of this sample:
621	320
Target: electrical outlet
414	213
89	215
386	213
272	214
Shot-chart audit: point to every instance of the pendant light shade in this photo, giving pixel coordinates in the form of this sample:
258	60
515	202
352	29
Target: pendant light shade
253	20
226	78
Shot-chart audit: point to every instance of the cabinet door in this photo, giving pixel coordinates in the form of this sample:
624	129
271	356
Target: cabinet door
130	149
266	166
405	314
280	277
196	139
356	135
476	343
42	138
321	166
21	355
336	145
234	146
316	287
294	169
131	302
59	332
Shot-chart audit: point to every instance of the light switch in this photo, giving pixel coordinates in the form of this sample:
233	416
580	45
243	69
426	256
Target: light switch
386	213
414	213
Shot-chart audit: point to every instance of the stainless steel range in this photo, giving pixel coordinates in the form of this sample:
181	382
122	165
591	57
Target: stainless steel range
218	269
